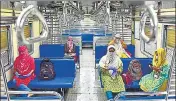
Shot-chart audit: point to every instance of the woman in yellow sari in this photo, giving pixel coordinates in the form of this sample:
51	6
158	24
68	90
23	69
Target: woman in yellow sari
120	46
157	79
111	68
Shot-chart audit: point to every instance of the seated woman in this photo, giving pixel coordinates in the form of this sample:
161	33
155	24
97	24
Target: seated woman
70	49
157	79
111	68
24	67
120	47
134	72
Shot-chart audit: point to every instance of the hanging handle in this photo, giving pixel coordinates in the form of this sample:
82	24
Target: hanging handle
21	22
153	24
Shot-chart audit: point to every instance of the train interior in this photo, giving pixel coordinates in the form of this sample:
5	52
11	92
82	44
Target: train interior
44	27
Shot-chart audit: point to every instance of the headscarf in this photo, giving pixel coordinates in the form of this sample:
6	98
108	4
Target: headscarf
111	57
134	70
159	58
23	65
118	38
112	61
70	43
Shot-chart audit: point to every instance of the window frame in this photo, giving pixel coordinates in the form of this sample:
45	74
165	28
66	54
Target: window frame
31	35
10	47
142	47
164	35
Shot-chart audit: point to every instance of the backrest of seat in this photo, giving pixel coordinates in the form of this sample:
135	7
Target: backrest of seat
52	50
62	67
131	49
100	51
87	37
144	64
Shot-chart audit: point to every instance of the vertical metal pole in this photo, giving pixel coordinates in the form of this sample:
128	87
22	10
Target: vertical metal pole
5	80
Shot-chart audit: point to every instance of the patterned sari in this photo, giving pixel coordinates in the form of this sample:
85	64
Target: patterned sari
112	81
24	67
157	79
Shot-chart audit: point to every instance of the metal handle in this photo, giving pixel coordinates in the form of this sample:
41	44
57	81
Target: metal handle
20	25
153	23
137	93
36	92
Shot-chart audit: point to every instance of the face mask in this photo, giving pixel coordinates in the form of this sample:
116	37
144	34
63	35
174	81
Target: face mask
117	41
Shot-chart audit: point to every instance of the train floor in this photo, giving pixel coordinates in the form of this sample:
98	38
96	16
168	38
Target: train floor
86	86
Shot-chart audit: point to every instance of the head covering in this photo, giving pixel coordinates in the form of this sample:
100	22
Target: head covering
159	58
117	36
23	51
70	43
134	70
111	55
112	61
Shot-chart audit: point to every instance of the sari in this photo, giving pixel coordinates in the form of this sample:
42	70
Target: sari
157	79
24	67
111	79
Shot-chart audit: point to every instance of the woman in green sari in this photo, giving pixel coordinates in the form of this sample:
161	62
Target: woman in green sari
111	68
157	79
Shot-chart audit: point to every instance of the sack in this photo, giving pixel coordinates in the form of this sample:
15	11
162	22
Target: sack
46	70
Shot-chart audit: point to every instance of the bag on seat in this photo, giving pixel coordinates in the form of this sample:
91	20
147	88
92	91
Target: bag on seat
46	70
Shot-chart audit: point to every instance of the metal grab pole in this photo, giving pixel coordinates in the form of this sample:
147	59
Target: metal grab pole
5	80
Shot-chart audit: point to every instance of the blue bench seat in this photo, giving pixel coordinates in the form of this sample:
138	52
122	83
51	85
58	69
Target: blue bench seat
87	39
144	65
101	50
65	73
55	51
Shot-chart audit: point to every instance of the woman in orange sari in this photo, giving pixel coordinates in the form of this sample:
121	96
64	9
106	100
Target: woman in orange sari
120	46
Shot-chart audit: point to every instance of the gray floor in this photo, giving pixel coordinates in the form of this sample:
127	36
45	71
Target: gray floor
86	86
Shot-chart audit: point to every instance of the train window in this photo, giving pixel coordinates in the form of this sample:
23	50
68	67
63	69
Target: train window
148	48
28	33
6	47
169	44
170	32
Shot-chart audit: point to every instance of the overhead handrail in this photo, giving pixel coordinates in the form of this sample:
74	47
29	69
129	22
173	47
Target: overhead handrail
153	23
137	93
31	9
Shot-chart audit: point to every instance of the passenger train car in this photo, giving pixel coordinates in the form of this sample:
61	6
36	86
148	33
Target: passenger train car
90	28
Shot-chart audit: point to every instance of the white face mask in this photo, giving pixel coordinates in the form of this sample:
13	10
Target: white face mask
117	41
111	56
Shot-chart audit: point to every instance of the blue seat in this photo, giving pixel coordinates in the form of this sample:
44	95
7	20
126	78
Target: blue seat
144	65
51	50
54	51
65	73
131	49
100	51
87	39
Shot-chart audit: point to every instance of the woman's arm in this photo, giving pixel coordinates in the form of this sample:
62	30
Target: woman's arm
120	69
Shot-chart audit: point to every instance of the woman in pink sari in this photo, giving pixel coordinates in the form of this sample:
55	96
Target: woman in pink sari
70	49
24	67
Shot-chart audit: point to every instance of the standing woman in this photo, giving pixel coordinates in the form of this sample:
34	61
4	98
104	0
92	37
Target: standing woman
24	67
157	79
111	68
